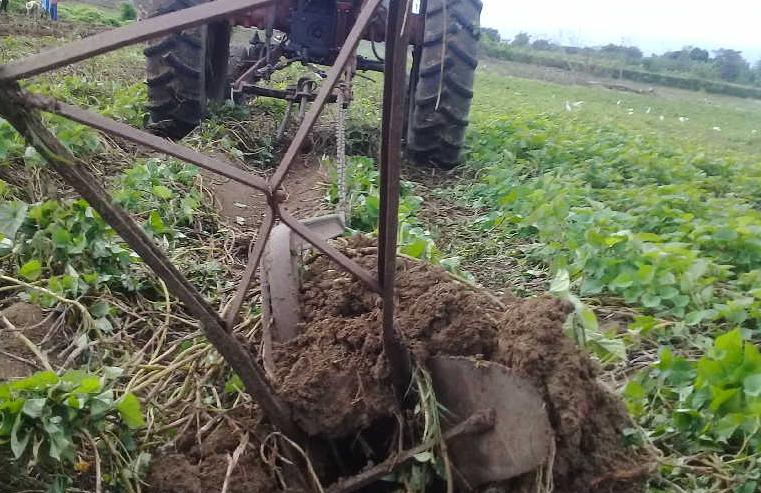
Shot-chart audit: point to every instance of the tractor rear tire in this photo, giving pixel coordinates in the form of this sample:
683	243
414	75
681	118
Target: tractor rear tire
442	88
185	70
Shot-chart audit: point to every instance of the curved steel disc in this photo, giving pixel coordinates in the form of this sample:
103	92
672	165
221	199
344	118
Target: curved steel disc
521	437
280	280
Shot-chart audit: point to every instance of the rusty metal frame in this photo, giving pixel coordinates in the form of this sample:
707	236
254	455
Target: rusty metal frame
22	110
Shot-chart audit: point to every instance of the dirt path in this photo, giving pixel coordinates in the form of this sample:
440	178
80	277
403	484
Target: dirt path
304	187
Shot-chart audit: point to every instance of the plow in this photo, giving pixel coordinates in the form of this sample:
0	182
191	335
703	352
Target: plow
494	421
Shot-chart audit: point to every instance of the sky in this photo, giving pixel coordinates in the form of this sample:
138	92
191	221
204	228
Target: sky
653	25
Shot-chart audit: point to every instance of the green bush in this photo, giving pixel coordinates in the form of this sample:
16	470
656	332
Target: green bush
128	12
46	421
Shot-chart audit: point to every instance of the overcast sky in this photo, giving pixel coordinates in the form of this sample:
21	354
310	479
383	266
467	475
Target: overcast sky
653	25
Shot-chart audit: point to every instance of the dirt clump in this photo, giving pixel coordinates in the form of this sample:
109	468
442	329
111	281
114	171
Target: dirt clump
335	374
588	420
336	378
191	467
31	321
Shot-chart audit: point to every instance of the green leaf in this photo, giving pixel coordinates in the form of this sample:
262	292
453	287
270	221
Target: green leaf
61	238
156	223
561	284
749	487
752	385
31	270
234	384
645	274
101	404
19	438
34	407
415	249
668	292
622	280
162	192
12	215
100	309
129	409
720	397
88	385
634	390
591	286
695	317
729	347
38	381
588	319
650	300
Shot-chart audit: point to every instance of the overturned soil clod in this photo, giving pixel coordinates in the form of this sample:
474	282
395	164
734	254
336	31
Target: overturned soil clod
336	378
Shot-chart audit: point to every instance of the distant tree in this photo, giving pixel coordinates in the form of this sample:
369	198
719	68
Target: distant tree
757	72
521	39
699	55
628	53
544	45
731	64
491	34
675	55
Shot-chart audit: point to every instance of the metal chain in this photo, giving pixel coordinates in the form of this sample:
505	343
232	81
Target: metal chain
343	203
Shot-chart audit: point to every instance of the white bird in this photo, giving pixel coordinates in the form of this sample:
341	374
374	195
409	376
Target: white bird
683	119
717	129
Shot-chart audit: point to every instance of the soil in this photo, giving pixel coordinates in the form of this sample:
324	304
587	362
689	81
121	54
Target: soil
192	468
31	321
303	186
336	378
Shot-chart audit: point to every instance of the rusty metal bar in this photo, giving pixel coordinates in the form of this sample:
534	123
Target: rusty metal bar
269	92
397	35
125	36
219	166
254	258
15	108
326	89
345	262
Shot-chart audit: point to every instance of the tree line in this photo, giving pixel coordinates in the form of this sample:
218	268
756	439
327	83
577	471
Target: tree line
723	64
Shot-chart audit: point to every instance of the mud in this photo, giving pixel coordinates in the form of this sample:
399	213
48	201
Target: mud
192	468
336	378
32	322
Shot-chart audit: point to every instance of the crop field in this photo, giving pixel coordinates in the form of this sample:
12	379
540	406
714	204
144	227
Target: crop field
641	211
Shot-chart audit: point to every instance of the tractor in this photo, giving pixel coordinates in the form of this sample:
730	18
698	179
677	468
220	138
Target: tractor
497	421
188	69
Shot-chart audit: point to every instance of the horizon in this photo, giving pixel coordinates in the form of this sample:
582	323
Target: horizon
589	23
